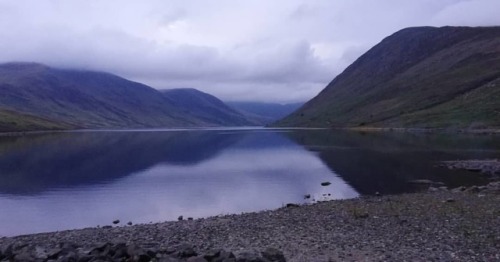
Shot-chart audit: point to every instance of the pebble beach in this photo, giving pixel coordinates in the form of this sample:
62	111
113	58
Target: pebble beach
462	224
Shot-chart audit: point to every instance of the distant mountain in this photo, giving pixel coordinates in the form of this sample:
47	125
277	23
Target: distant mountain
266	113
90	99
418	77
206	107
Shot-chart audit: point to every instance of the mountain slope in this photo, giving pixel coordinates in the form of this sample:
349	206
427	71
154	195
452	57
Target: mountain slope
91	99
205	106
417	77
266	113
11	121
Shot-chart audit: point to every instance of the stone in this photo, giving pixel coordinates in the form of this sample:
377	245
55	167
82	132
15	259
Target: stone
472	189
326	183
249	256
210	255
421	182
450	200
292	205
224	256
196	259
54	253
129	223
273	255
23	256
458	189
307	196
185	251
180	218
40	253
433	189
6	251
116	221
190	218
120	251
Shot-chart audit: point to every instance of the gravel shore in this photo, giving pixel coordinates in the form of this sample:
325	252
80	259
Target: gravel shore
439	225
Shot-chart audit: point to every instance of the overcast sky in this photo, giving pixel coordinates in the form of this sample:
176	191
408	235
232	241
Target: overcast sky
262	50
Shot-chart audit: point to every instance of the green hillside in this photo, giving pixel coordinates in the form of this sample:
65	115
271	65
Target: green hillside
13	122
425	77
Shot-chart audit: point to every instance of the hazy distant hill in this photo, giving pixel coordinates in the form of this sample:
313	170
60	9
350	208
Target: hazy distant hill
90	99
206	107
417	77
265	112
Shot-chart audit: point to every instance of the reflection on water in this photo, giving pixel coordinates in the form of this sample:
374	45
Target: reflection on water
73	180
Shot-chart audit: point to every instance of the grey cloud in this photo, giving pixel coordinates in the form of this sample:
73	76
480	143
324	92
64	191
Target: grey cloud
281	51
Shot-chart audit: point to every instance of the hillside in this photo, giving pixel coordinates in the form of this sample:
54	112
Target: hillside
90	99
11	121
418	77
265	113
206	107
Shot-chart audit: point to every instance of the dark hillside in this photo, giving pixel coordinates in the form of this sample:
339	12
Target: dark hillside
417	77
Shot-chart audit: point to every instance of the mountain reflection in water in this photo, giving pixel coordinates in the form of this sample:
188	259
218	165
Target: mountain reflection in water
80	179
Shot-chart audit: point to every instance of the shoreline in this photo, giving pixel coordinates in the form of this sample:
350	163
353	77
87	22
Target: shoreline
491	131
355	129
460	224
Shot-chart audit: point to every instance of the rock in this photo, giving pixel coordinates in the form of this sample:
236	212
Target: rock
209	255
196	259
291	205
185	251
307	196
23	256
421	182
169	259
40	253
6	252
180	218
107	227
224	256
249	256
54	253
433	189
129	223
273	255
377	193
326	183
472	189
190	218
458	189
120	251
361	215
450	200
116	221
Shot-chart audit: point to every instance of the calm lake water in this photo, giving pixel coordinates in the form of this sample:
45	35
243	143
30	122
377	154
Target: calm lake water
72	180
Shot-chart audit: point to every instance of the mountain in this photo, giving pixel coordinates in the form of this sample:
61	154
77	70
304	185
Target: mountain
89	99
418	77
265	113
206	107
11	121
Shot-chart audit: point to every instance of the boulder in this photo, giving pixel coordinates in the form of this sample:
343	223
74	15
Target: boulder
273	255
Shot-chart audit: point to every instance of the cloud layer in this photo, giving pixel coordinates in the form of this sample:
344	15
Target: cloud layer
280	51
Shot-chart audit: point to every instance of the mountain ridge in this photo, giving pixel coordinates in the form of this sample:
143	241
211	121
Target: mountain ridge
91	99
413	78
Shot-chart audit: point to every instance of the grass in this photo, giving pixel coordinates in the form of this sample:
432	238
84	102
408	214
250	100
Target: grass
11	121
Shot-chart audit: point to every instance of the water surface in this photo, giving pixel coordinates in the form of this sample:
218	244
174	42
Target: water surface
72	180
